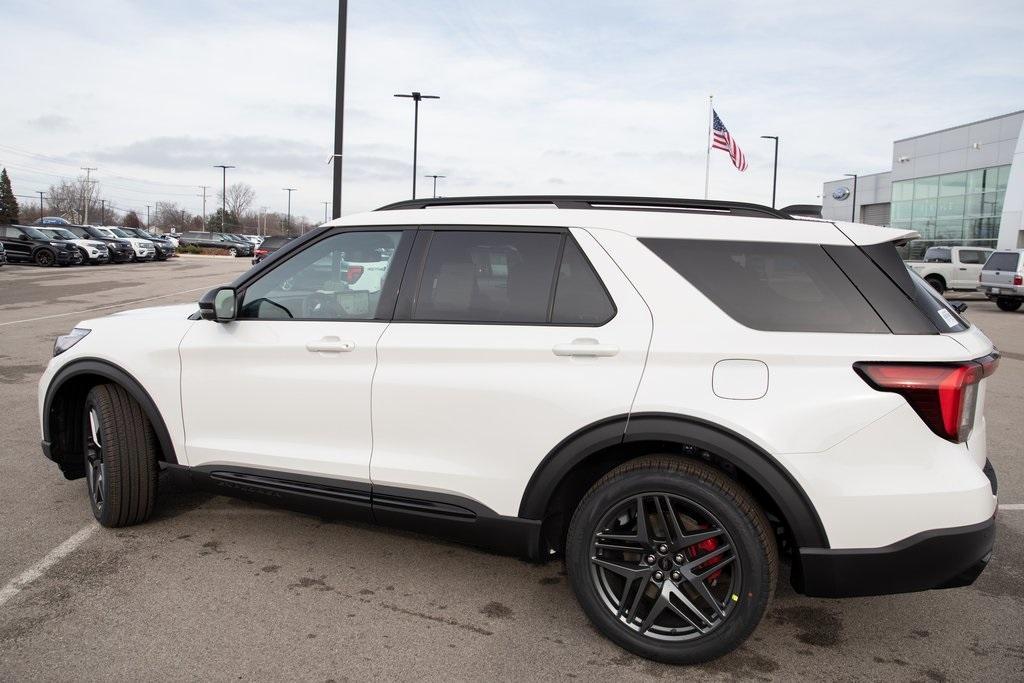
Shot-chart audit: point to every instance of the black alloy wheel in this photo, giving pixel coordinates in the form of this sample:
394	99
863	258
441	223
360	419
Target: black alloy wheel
45	258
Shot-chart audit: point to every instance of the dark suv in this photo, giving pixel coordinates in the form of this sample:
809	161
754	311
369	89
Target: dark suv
121	251
215	240
26	244
269	246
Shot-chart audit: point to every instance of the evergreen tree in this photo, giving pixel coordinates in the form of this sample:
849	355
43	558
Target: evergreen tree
8	202
217	223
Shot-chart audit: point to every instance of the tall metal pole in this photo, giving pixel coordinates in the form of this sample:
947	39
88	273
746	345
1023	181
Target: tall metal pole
288	221
853	207
707	144
775	165
326	204
223	196
86	192
103	211
339	106
435	177
147	216
40	193
416	97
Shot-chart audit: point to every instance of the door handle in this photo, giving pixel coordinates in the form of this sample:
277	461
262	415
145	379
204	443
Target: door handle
330	345
585	347
963	269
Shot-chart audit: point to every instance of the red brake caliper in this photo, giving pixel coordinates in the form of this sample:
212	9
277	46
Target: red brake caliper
706	546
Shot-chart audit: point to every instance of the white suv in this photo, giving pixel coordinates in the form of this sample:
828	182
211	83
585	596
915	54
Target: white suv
673	395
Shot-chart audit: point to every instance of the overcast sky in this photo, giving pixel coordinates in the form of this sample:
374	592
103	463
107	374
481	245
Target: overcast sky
587	96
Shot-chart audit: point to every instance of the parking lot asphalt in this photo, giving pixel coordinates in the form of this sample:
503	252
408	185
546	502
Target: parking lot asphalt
216	588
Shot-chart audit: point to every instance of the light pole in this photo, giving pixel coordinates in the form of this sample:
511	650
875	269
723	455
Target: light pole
40	193
147	216
339	105
416	97
288	221
204	188
223	196
435	177
775	165
853	203
326	204
87	192
103	211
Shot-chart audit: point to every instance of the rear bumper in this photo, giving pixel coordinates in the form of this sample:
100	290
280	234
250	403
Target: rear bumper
993	291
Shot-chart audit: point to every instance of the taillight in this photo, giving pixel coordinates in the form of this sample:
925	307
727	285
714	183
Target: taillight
944	395
262	252
353	274
1018	280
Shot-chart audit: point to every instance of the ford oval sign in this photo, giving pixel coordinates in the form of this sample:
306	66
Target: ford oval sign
840	193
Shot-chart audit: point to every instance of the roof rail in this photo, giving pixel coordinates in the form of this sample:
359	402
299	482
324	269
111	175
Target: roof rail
708	206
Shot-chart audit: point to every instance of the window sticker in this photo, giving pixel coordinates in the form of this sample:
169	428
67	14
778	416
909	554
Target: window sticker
947	317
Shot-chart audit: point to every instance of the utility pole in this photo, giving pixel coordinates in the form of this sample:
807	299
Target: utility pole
147	216
775	165
103	211
263	210
223	196
86	192
204	188
326	204
40	193
288	221
435	177
416	97
339	106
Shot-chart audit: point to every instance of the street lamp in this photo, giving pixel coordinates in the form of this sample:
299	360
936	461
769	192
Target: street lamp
416	97
223	196
775	165
853	207
288	221
435	177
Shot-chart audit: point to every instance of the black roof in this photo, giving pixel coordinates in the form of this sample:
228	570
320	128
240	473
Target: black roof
704	206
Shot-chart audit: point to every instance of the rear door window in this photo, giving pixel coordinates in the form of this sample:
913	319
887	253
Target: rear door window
772	286
972	256
580	297
1002	260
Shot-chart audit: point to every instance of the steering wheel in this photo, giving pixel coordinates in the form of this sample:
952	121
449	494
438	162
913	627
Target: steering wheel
319	305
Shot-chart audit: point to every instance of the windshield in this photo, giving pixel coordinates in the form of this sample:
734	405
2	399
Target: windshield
142	233
118	232
57	233
105	232
35	234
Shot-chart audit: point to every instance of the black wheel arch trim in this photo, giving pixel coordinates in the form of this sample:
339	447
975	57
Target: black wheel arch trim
793	502
117	374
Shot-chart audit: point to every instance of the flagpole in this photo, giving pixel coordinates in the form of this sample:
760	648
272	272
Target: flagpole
707	142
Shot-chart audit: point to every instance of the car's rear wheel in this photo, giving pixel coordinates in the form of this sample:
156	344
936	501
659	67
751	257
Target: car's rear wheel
120	457
1005	303
937	283
671	559
45	258
232	252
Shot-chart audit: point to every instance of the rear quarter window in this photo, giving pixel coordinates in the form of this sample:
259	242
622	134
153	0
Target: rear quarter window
1004	260
772	286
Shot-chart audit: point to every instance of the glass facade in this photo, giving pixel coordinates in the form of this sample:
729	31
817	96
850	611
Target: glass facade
952	209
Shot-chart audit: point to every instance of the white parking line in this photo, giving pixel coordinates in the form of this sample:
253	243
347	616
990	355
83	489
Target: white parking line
1012	506
20	582
100	308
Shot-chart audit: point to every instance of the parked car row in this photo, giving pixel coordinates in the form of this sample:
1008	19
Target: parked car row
999	275
230	243
55	242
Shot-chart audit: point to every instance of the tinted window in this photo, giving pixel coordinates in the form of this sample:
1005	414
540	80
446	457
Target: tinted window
1002	260
580	298
274	242
487	277
766	286
972	256
81	232
319	283
938	255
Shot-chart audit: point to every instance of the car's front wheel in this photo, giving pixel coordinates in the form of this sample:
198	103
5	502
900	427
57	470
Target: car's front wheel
232	252
45	258
1005	303
120	457
671	559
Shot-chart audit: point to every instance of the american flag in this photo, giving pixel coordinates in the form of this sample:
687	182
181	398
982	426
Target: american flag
722	140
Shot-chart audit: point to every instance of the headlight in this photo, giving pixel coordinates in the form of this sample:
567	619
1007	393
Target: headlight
56	244
66	341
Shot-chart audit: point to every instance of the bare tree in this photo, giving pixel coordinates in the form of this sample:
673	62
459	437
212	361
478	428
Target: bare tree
171	217
68	199
240	197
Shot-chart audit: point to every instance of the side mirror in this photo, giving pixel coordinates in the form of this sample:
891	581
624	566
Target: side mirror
23	237
218	305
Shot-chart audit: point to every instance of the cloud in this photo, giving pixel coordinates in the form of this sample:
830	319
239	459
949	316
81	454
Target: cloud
51	122
252	153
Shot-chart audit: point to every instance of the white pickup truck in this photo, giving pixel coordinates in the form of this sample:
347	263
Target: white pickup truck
956	268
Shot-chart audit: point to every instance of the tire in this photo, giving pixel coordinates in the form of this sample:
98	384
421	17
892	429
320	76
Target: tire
45	258
232	252
120	457
937	283
742	586
1005	303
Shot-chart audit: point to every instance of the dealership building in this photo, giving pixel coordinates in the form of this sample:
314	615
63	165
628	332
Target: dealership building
956	186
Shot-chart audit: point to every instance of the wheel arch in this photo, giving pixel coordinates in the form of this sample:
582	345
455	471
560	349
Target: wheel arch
580	459
937	276
64	401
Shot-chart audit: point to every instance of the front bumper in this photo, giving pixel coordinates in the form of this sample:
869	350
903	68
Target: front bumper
121	255
66	258
940	558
